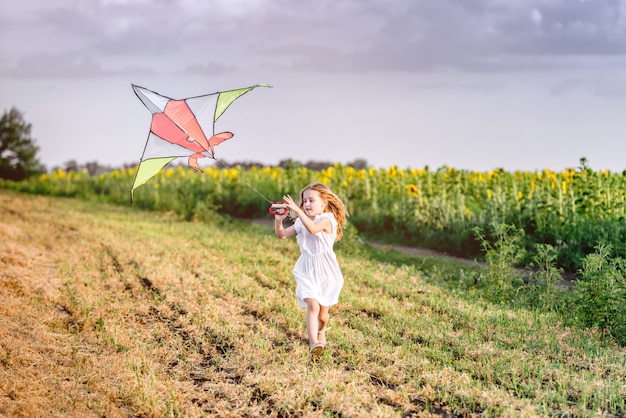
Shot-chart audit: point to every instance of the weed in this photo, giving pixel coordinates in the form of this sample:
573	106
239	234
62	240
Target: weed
601	294
502	252
539	290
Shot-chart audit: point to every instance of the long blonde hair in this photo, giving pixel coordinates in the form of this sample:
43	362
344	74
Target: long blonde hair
333	204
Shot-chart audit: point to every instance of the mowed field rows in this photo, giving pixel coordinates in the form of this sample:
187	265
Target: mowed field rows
112	311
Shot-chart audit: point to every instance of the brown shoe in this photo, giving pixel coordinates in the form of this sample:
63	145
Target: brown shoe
316	350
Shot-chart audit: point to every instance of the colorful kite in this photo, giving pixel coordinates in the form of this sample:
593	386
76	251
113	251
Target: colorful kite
182	128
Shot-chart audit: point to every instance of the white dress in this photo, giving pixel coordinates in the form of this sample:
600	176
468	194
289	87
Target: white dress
317	271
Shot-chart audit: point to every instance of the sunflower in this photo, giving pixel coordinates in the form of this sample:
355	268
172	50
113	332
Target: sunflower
413	190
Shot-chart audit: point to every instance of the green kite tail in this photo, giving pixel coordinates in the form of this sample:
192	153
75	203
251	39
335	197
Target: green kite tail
227	97
146	170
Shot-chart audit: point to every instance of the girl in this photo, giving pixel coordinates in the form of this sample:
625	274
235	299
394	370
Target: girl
321	216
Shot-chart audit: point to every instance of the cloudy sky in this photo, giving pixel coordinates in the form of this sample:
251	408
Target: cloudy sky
472	84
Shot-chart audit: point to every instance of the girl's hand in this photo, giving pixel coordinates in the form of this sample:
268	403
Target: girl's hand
282	215
290	203
279	210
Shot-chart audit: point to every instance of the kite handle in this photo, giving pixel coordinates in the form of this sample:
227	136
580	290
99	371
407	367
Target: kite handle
278	208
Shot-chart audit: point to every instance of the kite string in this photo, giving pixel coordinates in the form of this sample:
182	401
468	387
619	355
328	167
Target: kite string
246	182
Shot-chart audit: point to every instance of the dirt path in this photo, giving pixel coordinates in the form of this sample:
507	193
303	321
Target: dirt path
567	281
423	251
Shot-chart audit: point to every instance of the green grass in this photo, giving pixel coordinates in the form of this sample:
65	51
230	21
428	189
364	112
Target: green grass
139	313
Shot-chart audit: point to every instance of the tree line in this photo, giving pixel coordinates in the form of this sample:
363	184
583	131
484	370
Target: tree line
19	159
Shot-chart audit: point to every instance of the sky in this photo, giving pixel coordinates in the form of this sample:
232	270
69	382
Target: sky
469	84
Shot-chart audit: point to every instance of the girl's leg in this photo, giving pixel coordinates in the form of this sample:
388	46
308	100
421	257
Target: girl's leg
323	318
312	321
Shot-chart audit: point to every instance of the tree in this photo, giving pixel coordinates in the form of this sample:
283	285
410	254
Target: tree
359	164
18	152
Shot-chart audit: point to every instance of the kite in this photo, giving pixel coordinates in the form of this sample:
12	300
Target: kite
182	128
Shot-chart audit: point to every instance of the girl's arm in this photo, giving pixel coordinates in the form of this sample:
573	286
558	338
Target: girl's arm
281	232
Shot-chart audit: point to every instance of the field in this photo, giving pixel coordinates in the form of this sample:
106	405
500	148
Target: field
573	210
114	311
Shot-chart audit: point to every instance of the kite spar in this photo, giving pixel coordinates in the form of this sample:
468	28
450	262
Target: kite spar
182	128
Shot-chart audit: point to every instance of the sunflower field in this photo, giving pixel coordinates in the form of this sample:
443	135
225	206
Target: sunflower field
573	210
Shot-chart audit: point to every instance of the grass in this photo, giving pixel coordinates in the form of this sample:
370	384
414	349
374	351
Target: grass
112	311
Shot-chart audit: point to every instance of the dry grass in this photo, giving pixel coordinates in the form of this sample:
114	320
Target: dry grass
108	311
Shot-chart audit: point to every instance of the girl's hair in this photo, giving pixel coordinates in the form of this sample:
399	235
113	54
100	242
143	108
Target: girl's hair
333	204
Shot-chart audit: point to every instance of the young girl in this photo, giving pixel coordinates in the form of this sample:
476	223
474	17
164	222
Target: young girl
320	219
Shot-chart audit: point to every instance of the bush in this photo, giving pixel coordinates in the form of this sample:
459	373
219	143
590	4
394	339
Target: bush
601	294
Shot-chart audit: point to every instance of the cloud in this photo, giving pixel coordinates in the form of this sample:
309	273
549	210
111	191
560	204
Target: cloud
489	35
211	68
324	35
64	66
54	66
606	85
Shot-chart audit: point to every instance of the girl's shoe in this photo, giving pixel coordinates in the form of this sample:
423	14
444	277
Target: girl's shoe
316	350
